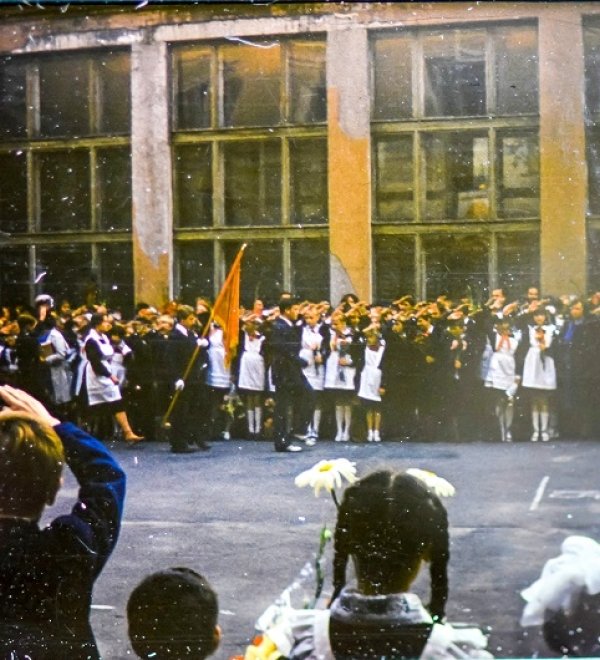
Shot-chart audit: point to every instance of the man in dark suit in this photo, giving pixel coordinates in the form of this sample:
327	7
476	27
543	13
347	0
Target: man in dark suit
189	420
292	391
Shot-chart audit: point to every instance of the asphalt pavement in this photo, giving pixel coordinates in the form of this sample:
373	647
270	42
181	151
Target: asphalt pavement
235	515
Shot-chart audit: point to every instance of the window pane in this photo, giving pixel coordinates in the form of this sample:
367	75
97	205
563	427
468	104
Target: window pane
392	75
64	95
252	183
14	275
193	176
252	81
13	192
518	263
308	165
593	163
310	269
516	70
68	272
519	177
193	94
114	86
116	276
457	266
64	190
196	270
13	106
591	37
394	262
262	272
454	72
113	172
457	173
308	91
394	179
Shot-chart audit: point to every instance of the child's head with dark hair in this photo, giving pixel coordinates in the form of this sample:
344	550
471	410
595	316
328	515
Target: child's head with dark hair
173	614
389	523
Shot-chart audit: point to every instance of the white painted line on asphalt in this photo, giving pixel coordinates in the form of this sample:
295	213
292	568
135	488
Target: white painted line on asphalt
539	493
156	523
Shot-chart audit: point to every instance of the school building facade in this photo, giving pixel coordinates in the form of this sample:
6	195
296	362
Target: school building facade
377	148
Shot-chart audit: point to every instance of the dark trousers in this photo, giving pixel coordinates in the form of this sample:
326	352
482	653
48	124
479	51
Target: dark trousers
292	413
190	417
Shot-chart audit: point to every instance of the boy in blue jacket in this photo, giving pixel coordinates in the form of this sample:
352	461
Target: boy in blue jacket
47	575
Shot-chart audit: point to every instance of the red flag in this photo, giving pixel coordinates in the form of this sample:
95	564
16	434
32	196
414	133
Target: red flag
226	310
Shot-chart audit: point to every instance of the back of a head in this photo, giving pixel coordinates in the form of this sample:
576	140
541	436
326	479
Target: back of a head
389	523
173	614
31	462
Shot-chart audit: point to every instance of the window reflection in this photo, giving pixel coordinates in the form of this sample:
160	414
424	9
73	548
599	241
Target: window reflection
457	176
516	70
13	98
193	182
251	84
113	174
518	262
193	88
67	268
13	192
64	190
310	269
115	262
457	265
394	264
394	183
519	176
392	73
263	270
308	165
308	91
253	183
454	70
14	274
196	269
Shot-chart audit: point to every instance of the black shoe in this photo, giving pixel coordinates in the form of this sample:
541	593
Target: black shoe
203	446
291	449
183	450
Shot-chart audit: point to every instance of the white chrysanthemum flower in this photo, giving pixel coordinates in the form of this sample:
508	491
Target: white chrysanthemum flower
441	487
327	475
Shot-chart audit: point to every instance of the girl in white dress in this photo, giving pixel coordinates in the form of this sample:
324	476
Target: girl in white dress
251	374
340	373
218	380
312	351
501	376
539	373
370	390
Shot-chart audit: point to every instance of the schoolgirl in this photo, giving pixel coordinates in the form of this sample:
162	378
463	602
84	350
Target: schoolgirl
340	374
314	350
250	368
218	379
501	377
370	390
539	372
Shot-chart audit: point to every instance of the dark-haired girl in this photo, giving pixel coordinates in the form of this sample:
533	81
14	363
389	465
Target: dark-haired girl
388	523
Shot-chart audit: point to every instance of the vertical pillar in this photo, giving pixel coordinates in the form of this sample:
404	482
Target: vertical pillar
563	171
151	174
349	166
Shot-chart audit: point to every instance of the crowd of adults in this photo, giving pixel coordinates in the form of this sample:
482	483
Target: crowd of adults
425	370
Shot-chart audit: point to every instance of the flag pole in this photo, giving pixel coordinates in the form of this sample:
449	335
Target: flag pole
166	424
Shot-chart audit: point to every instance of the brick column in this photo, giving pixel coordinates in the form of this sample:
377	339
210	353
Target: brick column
563	170
151	175
349	168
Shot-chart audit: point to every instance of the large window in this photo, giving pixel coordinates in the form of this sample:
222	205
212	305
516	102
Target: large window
455	143
250	151
66	173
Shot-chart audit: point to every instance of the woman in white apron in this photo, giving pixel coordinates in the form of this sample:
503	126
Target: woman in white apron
251	374
101	385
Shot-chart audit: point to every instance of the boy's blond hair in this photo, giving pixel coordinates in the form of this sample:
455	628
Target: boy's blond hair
31	463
